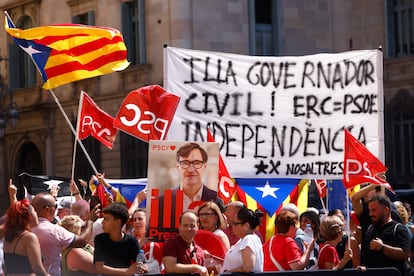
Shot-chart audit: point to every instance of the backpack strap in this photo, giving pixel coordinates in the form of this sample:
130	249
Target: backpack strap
151	250
149	256
320	250
395	228
279	267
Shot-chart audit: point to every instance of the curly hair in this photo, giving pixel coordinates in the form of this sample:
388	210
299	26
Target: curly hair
17	220
118	211
72	223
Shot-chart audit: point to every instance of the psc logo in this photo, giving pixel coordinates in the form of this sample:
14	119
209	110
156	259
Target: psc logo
160	147
146	122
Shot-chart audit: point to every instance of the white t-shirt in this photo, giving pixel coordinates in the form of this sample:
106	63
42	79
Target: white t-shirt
233	258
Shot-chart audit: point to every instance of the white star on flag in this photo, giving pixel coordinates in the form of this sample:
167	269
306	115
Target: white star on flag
267	190
30	50
51	183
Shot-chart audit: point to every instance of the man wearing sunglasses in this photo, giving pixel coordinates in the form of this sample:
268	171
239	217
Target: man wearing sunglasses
54	238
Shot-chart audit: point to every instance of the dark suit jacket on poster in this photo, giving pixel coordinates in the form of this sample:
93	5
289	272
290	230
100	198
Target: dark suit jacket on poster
206	195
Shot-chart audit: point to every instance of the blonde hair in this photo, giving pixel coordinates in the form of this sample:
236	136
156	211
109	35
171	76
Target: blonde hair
72	223
331	226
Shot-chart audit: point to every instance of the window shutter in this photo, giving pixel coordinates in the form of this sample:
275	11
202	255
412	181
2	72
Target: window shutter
91	18
141	32
31	73
14	76
391	35
126	29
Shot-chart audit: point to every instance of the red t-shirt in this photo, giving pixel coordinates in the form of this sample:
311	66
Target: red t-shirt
284	250
327	254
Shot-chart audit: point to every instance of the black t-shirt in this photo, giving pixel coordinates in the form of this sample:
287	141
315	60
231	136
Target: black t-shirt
393	234
365	219
120	254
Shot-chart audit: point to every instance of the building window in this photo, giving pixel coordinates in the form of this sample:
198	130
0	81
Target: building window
83	168
263	27
22	69
400	19
133	30
134	157
87	18
399	137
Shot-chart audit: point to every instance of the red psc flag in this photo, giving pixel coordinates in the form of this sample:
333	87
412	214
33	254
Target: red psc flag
94	121
226	186
360	165
321	187
147	112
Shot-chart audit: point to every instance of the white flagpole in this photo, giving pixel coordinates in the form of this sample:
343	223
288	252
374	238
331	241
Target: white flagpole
77	133
74	132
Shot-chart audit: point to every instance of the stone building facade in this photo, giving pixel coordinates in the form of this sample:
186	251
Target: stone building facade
42	142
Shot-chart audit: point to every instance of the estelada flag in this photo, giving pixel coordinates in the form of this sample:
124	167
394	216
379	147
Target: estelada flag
71	52
298	196
35	184
94	121
147	112
360	165
226	185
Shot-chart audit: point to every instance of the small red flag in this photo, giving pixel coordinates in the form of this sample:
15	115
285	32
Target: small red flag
226	186
147	112
100	193
321	187
360	165
94	121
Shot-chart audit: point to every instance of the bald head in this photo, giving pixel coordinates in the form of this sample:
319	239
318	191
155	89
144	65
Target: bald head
45	205
233	208
81	208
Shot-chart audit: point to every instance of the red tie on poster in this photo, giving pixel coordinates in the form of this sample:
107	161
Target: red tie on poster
94	121
147	112
360	165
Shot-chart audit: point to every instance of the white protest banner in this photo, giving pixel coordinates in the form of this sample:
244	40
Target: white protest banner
278	117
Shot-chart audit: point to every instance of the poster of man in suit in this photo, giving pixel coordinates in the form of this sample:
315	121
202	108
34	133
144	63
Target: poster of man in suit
181	176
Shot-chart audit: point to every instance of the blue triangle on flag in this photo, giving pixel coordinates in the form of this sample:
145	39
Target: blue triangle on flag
269	193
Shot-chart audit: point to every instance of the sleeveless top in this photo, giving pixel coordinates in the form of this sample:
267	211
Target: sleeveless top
64	268
15	263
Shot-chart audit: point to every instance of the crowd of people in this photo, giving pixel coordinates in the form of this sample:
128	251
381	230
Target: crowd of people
44	236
